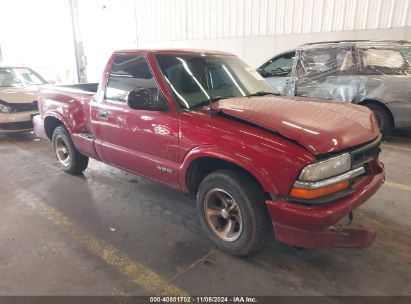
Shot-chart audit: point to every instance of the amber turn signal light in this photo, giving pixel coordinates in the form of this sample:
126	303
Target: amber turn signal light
314	193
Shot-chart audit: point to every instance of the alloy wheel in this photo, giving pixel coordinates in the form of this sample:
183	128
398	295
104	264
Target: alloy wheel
223	215
62	151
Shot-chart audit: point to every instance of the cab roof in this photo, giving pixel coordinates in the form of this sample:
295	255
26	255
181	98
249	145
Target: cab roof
173	51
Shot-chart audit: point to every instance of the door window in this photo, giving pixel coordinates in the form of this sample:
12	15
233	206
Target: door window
130	72
321	62
279	66
383	62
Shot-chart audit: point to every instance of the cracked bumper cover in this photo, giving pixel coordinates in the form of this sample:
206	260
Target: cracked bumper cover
39	129
307	226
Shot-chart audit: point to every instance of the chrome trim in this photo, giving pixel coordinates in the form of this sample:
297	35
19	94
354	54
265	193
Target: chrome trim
375	143
364	149
330	181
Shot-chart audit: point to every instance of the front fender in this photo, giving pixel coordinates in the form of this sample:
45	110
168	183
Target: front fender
243	161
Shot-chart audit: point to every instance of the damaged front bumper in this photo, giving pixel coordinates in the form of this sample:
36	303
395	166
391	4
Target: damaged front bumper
343	238
16	122
310	226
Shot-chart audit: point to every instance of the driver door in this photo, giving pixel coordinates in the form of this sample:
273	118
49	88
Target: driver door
141	141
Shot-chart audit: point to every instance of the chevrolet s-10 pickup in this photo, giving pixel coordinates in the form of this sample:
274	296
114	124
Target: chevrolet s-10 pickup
203	122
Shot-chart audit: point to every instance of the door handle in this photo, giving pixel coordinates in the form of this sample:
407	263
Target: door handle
103	114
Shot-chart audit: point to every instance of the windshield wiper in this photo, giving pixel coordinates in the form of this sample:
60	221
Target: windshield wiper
263	93
217	98
212	99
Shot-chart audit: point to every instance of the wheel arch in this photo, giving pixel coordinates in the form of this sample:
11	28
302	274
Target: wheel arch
201	161
51	123
366	102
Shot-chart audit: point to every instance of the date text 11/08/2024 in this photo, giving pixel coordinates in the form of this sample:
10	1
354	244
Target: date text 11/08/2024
211	299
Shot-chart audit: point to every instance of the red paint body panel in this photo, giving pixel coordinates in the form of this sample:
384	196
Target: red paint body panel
320	126
140	141
273	160
85	145
272	138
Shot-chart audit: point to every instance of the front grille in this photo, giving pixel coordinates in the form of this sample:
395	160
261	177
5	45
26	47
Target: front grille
365	153
23	107
21	125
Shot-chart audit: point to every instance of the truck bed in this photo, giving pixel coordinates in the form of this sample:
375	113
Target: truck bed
68	101
86	87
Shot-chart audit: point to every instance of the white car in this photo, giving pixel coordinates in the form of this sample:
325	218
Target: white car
18	98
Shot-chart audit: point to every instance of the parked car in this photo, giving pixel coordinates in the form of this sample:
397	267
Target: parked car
376	74
277	70
18	98
207	124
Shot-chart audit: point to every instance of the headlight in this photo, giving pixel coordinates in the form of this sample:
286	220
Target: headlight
327	168
4	109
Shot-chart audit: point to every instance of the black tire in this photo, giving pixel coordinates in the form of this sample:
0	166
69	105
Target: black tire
250	199
76	162
383	118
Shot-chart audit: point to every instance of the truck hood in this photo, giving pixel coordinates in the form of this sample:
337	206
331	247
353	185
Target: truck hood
320	126
19	95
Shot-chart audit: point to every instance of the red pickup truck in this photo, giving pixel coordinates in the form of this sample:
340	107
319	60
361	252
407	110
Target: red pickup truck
205	123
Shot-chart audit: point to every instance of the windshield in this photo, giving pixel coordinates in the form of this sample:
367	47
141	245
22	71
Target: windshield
19	77
197	78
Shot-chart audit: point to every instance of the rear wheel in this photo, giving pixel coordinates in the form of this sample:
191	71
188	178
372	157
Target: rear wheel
70	159
232	211
383	118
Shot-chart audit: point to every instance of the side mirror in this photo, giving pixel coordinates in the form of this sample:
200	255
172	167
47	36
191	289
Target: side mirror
142	99
262	72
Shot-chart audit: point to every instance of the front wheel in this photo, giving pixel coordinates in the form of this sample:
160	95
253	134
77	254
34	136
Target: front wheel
232	211
70	159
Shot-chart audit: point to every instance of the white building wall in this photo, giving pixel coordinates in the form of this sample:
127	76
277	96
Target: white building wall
171	20
253	29
38	34
105	26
